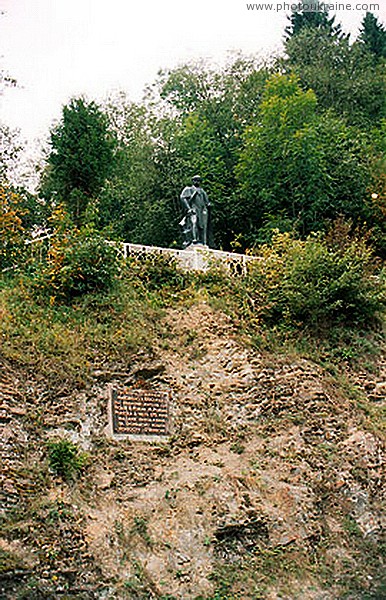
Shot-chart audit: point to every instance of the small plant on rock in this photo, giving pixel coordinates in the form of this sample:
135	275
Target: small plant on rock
65	459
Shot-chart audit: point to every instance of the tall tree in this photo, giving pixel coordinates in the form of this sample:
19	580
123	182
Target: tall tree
343	76
300	164
373	35
314	17
192	122
136	204
211	109
81	157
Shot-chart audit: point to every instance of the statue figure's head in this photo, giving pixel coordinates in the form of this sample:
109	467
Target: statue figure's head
196	180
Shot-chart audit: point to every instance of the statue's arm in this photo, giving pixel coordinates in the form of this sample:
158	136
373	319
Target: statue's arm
186	198
185	203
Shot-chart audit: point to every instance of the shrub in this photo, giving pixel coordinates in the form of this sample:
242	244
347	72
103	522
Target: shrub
76	264
156	271
65	459
310	282
12	232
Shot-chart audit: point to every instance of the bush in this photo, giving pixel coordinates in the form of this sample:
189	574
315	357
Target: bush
312	283
77	263
12	232
156	271
65	459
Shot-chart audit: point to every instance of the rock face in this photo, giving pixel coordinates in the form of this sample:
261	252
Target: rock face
271	486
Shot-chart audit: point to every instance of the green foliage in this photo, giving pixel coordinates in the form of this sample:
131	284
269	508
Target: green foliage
192	122
315	283
65	459
77	263
12	231
344	77
67	340
139	203
373	36
156	272
140	527
269	148
81	158
19	212
213	109
303	18
298	164
9	561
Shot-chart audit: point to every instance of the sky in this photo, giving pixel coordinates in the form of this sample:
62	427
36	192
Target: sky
58	49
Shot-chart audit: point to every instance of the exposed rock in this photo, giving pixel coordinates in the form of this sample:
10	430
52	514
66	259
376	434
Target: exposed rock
270	466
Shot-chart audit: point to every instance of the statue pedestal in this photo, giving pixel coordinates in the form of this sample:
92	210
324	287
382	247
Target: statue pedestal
197	257
197	246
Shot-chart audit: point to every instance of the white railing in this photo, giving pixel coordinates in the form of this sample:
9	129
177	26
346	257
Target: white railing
193	258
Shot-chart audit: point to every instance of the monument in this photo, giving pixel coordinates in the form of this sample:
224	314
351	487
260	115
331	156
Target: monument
196	221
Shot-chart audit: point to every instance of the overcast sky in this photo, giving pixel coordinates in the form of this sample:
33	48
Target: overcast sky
57	49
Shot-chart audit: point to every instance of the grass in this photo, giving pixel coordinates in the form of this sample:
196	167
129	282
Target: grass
9	562
69	341
253	575
75	338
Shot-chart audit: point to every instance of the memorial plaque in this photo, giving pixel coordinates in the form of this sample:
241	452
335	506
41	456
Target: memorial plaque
138	413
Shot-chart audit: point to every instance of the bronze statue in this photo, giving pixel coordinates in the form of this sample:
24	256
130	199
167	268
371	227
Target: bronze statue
196	205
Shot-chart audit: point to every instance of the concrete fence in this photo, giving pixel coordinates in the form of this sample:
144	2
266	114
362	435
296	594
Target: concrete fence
193	258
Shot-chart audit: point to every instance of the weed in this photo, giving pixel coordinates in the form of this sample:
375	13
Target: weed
138	586
308	282
65	341
140	527
156	271
59	511
237	448
351	527
65	459
8	561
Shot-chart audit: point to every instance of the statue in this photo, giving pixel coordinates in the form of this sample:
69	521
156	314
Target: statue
196	205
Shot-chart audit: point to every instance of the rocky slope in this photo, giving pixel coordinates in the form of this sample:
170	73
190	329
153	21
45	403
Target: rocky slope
271	486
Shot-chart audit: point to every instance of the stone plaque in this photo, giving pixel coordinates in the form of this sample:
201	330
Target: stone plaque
138	413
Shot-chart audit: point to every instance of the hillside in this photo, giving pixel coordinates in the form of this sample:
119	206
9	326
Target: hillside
271	486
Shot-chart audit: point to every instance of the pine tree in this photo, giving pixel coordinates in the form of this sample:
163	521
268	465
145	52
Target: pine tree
302	17
81	158
373	35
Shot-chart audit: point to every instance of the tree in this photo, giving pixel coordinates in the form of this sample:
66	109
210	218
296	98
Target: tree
343	76
303	18
191	122
209	110
299	164
373	36
138	202
81	158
